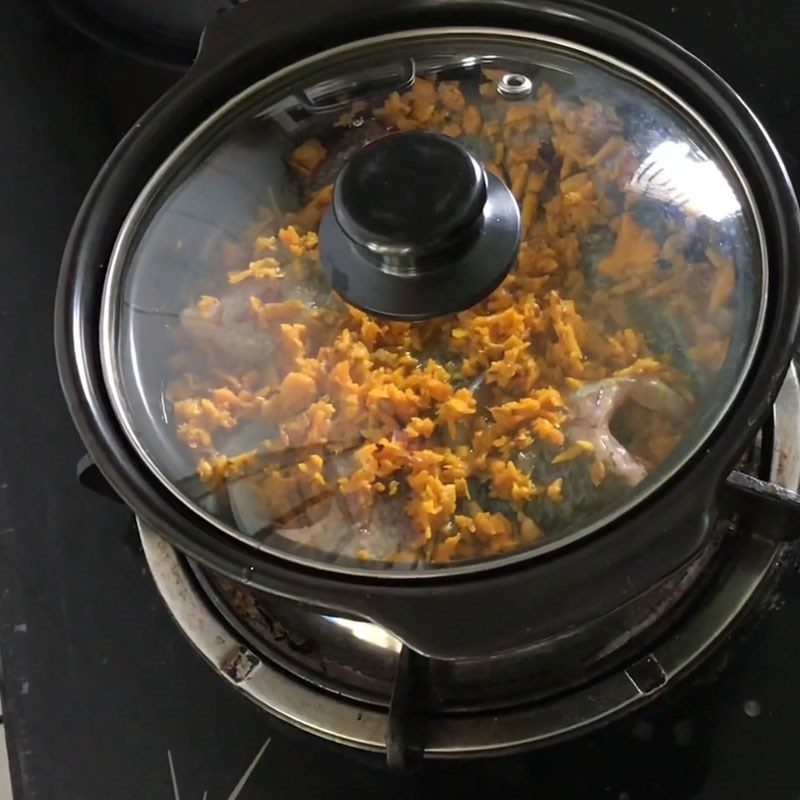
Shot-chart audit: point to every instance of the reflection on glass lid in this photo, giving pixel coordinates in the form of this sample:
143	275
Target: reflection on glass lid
569	391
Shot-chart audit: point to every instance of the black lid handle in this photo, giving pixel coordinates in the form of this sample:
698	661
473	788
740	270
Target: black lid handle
417	228
409	195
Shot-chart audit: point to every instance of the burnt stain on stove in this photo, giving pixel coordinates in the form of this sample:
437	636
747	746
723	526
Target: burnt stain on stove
240	664
244	604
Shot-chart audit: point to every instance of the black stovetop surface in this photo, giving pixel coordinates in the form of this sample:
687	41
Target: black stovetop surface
98	684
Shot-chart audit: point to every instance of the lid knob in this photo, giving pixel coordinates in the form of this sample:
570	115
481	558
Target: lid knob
409	194
417	228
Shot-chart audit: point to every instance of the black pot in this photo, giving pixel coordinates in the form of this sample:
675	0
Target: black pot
548	591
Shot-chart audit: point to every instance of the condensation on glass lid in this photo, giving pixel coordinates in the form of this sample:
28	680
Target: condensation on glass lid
306	426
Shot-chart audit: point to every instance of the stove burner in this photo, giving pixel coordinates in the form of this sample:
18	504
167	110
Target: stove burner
353	683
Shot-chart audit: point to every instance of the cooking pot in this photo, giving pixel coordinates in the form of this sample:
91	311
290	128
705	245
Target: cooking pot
413	226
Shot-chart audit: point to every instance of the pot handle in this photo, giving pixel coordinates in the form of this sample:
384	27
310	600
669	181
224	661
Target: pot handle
90	477
776	508
239	22
220	33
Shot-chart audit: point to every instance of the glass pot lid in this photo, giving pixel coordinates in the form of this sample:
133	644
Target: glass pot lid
433	300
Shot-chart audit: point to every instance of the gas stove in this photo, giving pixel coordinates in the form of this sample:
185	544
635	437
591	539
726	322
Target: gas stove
95	671
352	682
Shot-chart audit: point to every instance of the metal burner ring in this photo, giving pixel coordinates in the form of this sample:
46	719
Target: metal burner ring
366	727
